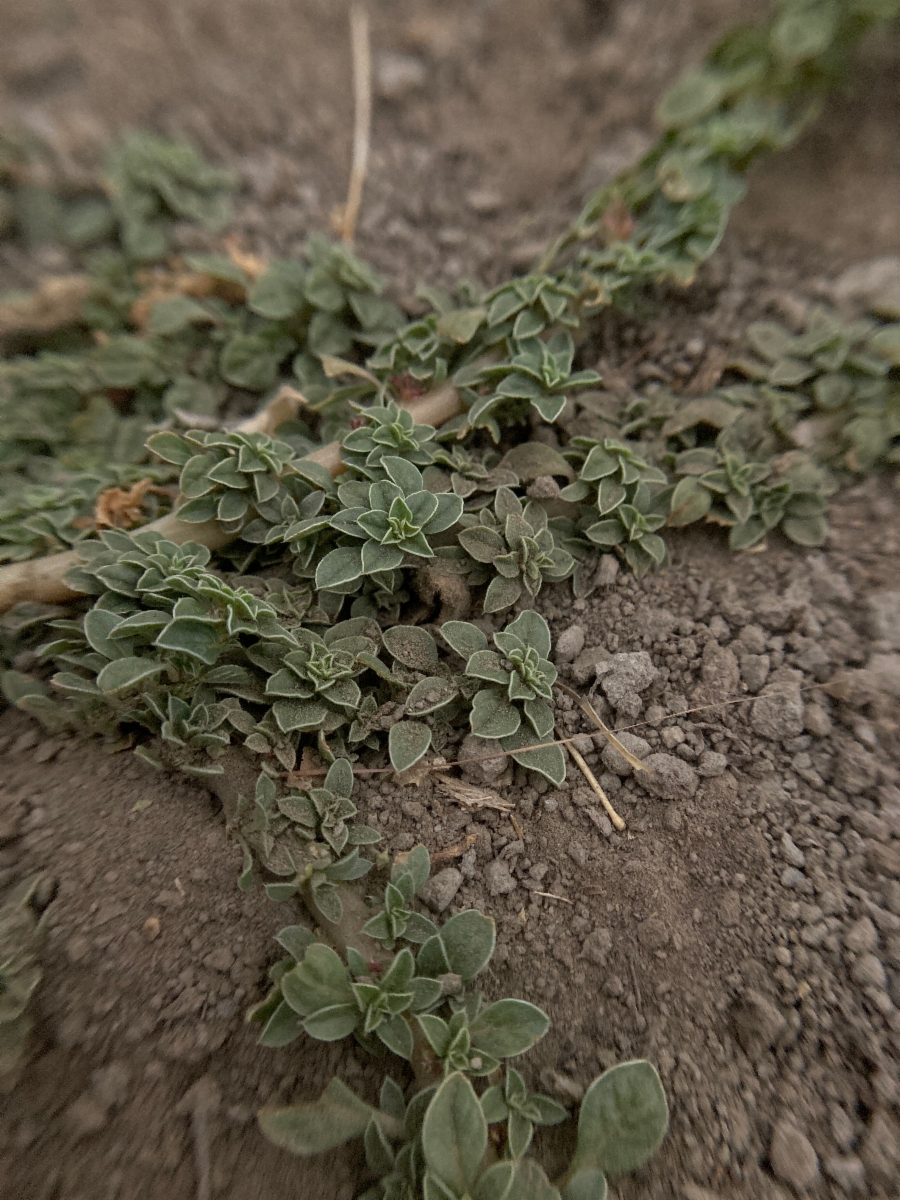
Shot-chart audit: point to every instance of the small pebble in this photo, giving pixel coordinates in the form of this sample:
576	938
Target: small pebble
711	764
793	1159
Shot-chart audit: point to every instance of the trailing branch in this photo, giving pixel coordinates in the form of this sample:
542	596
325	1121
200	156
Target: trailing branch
44	579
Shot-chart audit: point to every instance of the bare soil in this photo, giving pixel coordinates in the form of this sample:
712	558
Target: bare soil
743	935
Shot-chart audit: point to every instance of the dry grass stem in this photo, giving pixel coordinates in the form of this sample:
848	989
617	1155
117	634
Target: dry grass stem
360	43
472	797
595	786
588	709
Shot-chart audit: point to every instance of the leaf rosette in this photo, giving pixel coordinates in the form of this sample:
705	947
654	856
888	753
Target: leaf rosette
393	518
519	679
516	542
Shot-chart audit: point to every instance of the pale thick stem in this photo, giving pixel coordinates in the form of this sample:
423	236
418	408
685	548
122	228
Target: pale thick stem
43	579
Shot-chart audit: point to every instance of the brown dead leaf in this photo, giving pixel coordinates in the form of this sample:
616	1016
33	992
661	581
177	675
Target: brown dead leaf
122	508
709	372
472	797
284	406
617	221
165	283
251	264
455	851
311	766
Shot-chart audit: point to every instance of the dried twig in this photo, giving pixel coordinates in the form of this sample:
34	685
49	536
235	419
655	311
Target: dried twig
43	579
362	119
595	786
553	896
588	709
472	797
455	851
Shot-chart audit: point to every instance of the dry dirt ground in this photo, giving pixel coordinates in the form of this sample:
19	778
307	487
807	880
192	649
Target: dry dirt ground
744	932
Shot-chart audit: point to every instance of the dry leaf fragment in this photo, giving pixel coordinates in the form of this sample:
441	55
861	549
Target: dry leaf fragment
311	766
472	797
121	508
251	264
283	406
617	220
455	851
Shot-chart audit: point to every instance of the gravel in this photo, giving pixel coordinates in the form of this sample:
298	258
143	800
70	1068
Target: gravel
757	1023
440	889
778	713
669	778
569	644
793	1159
884	608
615	762
498	878
626	675
792	853
711	764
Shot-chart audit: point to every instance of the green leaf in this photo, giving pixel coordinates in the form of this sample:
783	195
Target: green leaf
533	631
412	646
690	502
170	447
320	981
379	1154
806	531
125	673
460	325
171	316
532	1183
508	1028
463	637
396	1034
282	1027
296	939
278	293
437	1034
804	31
454	1134
482	544
252	360
492	715
468	941
623	1120
692	97
486	664
407	742
336	1117
339	567
548	761
531	460
496	1182
502	593
429	695
192	636
417	864
587	1185
332	1023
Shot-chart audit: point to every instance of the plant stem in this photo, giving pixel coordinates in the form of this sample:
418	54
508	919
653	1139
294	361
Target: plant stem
43	579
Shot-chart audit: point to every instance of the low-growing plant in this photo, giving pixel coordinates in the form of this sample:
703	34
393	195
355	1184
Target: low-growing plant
434	1140
393	517
514	540
323	649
